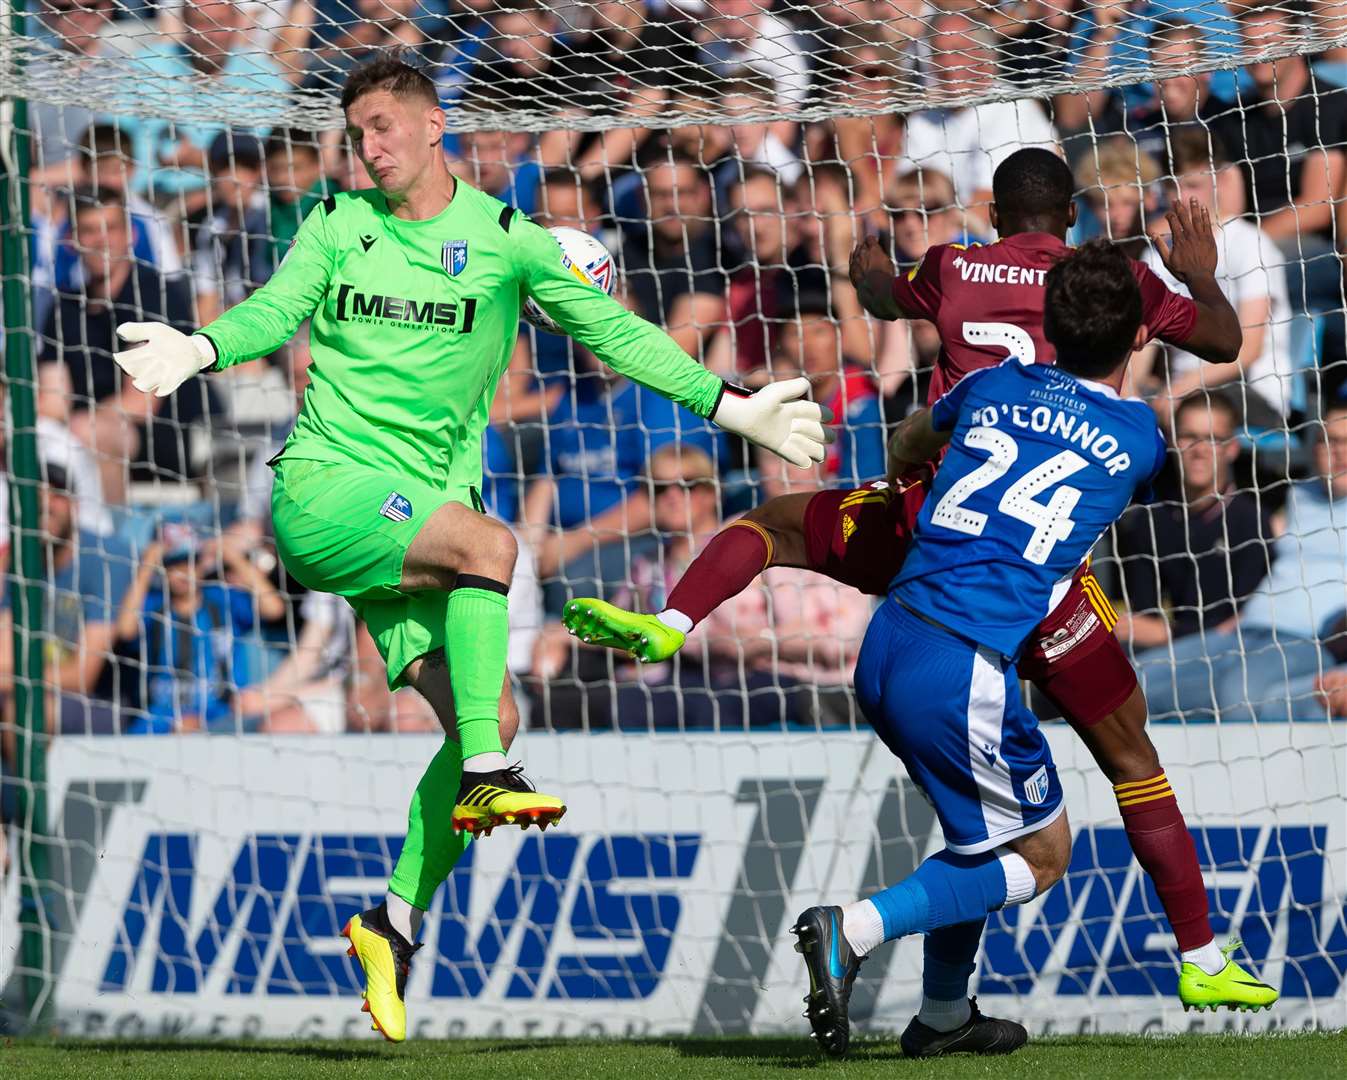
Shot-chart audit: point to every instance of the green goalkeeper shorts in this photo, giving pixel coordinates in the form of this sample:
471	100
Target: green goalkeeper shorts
345	529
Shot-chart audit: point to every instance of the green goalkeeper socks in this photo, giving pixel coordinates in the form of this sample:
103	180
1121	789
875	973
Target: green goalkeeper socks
432	847
476	641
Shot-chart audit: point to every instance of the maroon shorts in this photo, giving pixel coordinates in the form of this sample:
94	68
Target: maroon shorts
860	538
1080	629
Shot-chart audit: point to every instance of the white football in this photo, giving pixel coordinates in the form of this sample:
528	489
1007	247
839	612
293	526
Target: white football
583	256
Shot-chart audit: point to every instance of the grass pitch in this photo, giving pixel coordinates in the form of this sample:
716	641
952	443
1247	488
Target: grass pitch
1229	1057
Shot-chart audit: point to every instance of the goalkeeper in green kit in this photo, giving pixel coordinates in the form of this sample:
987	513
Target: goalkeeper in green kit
414	290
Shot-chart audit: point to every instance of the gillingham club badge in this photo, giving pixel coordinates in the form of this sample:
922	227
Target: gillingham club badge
454	257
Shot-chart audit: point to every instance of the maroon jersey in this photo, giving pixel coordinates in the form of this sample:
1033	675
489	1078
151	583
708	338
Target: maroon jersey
987	303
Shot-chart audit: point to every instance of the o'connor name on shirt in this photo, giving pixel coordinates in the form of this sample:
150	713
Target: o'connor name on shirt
1075	431
999	273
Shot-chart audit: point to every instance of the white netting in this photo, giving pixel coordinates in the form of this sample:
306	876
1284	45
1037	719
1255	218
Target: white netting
731	155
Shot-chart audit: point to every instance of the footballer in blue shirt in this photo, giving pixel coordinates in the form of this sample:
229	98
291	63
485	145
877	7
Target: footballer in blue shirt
1039	462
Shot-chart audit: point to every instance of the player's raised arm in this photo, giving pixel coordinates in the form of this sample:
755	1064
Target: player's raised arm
924	433
1190	255
259	325
778	417
888	295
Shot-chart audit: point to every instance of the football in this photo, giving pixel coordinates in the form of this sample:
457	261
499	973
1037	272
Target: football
583	256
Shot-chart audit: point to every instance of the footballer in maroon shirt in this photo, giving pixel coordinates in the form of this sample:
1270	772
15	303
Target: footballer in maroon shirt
987	303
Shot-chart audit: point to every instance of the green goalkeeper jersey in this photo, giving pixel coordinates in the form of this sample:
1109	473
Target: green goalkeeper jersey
414	323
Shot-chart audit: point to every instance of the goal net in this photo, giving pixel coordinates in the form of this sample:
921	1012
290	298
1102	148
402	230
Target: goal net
204	774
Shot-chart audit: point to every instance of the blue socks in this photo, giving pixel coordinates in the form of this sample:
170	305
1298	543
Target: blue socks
951	954
946	889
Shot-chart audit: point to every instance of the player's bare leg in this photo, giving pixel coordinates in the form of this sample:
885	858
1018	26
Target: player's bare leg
383	939
472	557
1164	847
772	534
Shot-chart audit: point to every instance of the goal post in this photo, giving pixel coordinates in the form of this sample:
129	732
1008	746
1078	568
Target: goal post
25	589
196	798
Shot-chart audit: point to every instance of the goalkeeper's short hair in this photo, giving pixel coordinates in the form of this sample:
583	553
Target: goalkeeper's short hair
392	73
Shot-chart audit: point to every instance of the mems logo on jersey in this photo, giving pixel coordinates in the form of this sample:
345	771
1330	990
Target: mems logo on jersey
402	312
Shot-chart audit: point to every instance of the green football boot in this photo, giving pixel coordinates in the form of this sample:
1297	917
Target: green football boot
642	636
1232	987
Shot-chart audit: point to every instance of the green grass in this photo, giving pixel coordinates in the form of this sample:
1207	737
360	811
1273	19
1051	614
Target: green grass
1231	1057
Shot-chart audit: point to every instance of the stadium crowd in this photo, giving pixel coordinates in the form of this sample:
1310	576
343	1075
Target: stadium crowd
168	609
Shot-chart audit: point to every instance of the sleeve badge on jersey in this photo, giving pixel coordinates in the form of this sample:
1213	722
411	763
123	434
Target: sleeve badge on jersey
396	507
454	257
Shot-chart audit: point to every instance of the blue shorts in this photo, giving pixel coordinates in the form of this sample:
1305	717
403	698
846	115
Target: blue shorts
952	712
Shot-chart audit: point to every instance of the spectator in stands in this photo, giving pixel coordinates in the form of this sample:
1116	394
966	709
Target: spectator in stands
1182	102
104	161
230	251
254	506
202	62
706	146
306	693
763	143
57	448
1175	35
1289	111
1249	272
709	146
567	201
967	142
296	183
706	687
671	259
870	66
192	630
772	268
1120	182
75	40
923	213
739	34
1330	16
364	28
760	660
1197	559
512	61
600	437
79	380
1281	637
813	343
498	161
87	578
761	287
617	59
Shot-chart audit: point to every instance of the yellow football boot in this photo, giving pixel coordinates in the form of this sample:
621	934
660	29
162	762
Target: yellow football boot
597	622
386	958
1232	987
503	797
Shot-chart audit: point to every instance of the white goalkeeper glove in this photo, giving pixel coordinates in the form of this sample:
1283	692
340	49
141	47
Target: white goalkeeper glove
779	418
166	360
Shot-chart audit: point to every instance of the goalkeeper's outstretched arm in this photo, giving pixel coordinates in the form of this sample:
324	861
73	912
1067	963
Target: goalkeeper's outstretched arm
162	358
779	417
